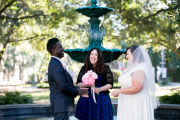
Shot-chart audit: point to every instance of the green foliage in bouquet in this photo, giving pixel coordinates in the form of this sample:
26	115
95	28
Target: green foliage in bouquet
15	98
172	98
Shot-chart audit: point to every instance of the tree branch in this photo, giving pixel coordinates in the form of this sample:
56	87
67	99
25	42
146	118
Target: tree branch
32	16
6	6
29	38
162	10
157	12
157	43
176	52
2	51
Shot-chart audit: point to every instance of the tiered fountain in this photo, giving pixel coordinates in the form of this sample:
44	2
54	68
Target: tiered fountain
95	35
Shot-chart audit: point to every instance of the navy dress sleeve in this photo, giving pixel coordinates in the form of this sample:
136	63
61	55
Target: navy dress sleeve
81	73
109	76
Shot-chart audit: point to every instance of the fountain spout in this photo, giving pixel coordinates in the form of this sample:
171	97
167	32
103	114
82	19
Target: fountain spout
94	2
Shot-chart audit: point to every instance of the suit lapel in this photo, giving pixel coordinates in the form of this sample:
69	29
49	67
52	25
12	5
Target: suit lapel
52	58
68	76
65	71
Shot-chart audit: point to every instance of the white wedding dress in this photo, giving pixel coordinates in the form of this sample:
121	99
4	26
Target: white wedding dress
135	106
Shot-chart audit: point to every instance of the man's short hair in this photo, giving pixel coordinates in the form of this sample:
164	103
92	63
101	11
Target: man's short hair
51	44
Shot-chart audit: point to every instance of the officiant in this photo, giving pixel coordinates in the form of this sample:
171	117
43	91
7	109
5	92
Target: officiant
100	108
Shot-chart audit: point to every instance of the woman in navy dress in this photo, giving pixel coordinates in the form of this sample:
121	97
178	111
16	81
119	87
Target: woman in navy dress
86	108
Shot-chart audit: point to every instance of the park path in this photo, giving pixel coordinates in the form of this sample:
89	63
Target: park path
35	89
22	89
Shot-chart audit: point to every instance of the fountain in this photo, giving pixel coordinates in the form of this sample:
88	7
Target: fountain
96	34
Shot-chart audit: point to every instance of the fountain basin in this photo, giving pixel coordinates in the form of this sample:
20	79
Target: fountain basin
109	54
24	111
94	11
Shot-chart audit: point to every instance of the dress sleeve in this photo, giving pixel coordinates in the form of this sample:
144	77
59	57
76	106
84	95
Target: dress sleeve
109	76
139	76
81	73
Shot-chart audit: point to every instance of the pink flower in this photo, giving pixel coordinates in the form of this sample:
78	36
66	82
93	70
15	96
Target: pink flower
85	81
122	68
91	80
89	77
86	75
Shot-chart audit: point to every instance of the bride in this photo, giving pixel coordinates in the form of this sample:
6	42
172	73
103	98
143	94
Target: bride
137	99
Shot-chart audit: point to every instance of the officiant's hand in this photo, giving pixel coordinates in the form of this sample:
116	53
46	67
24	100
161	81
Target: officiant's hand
115	93
92	85
82	91
86	96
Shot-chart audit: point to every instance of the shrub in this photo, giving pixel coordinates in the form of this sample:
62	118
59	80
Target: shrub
116	75
116	85
166	81
42	85
174	75
172	98
15	98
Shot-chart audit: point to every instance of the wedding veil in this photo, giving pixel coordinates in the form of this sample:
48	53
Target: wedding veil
141	70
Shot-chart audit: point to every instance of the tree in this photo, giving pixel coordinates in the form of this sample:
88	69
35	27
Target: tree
33	21
155	56
147	22
15	60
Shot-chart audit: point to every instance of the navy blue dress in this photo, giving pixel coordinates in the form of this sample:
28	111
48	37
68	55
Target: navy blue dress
87	109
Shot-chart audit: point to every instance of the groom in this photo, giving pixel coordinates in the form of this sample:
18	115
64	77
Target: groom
62	90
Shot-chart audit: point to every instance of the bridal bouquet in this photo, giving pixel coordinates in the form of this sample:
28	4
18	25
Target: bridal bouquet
89	79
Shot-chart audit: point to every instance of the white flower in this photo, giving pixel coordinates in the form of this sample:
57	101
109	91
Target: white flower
63	64
90	72
86	75
94	75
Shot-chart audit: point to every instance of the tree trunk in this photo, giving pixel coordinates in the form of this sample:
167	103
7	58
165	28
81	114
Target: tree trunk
2	51
155	70
176	52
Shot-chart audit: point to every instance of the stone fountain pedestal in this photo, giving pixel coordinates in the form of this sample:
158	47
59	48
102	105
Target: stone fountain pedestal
96	34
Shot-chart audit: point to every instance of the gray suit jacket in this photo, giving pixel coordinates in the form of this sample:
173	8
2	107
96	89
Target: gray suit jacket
62	90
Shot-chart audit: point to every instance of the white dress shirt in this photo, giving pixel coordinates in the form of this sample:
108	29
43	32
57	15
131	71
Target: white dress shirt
56	58
62	62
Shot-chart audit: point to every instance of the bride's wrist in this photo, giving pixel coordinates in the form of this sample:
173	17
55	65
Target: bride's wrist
119	91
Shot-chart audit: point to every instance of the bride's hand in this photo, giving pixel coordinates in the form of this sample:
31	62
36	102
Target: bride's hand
115	93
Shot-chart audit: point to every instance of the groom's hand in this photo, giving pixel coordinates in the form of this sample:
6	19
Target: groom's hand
86	96
82	91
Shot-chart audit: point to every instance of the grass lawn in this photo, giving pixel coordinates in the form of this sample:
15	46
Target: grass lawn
25	85
41	97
